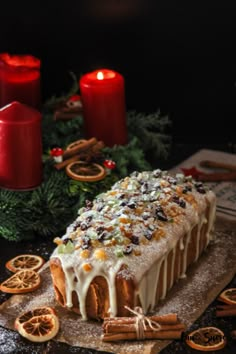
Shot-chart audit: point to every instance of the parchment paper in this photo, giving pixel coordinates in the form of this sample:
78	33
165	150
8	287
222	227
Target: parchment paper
188	298
225	191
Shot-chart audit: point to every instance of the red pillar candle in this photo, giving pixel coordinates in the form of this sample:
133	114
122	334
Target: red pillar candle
103	99
20	147
20	80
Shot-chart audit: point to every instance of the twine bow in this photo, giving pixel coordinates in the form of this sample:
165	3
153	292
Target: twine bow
142	321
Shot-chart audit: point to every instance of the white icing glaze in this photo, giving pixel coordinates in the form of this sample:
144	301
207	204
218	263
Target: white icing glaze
152	255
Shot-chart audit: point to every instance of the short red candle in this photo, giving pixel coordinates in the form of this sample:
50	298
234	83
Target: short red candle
20	80
103	99
20	147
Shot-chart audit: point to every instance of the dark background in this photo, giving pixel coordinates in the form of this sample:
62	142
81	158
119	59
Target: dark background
178	56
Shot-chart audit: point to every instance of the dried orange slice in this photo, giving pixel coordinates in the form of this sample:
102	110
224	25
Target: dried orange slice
25	261
228	296
39	311
206	339
84	171
21	282
40	328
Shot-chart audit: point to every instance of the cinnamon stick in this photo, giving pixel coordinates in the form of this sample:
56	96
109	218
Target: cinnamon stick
63	164
215	164
113	337
218	176
170	318
226	306
225	310
127	328
79	148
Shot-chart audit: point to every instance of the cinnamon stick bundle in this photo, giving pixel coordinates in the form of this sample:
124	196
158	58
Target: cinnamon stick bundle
82	154
125	328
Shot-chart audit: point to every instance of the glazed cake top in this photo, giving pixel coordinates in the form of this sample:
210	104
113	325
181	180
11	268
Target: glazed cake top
138	221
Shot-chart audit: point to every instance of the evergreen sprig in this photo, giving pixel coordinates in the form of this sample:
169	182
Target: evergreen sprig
152	131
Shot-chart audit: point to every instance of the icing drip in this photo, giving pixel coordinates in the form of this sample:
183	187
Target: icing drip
203	220
164	282
173	267
211	219
185	255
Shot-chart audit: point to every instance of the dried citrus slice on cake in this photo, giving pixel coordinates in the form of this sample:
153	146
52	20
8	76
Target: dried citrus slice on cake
39	311
21	282
84	171
40	328
25	261
228	296
206	339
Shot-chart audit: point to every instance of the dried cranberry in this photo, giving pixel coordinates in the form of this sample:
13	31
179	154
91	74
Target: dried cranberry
201	190
131	205
102	236
101	233
187	189
182	203
146	216
160	214
128	249
172	180
89	204
148	234
83	226
135	240
99	230
89	219
86	242
66	240
176	199
76	224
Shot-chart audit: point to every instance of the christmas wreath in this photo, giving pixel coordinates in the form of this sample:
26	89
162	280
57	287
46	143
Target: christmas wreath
48	209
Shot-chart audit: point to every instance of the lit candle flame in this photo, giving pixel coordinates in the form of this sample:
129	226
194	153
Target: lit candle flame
100	75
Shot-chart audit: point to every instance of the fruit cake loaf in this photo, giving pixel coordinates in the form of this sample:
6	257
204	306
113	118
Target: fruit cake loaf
131	244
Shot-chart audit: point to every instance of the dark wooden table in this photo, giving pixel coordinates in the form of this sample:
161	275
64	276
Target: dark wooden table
12	343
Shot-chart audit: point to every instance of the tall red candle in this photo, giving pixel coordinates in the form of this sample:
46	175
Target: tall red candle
103	99
20	80
20	147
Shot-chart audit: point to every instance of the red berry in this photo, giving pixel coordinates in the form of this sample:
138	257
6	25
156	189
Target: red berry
109	164
56	152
